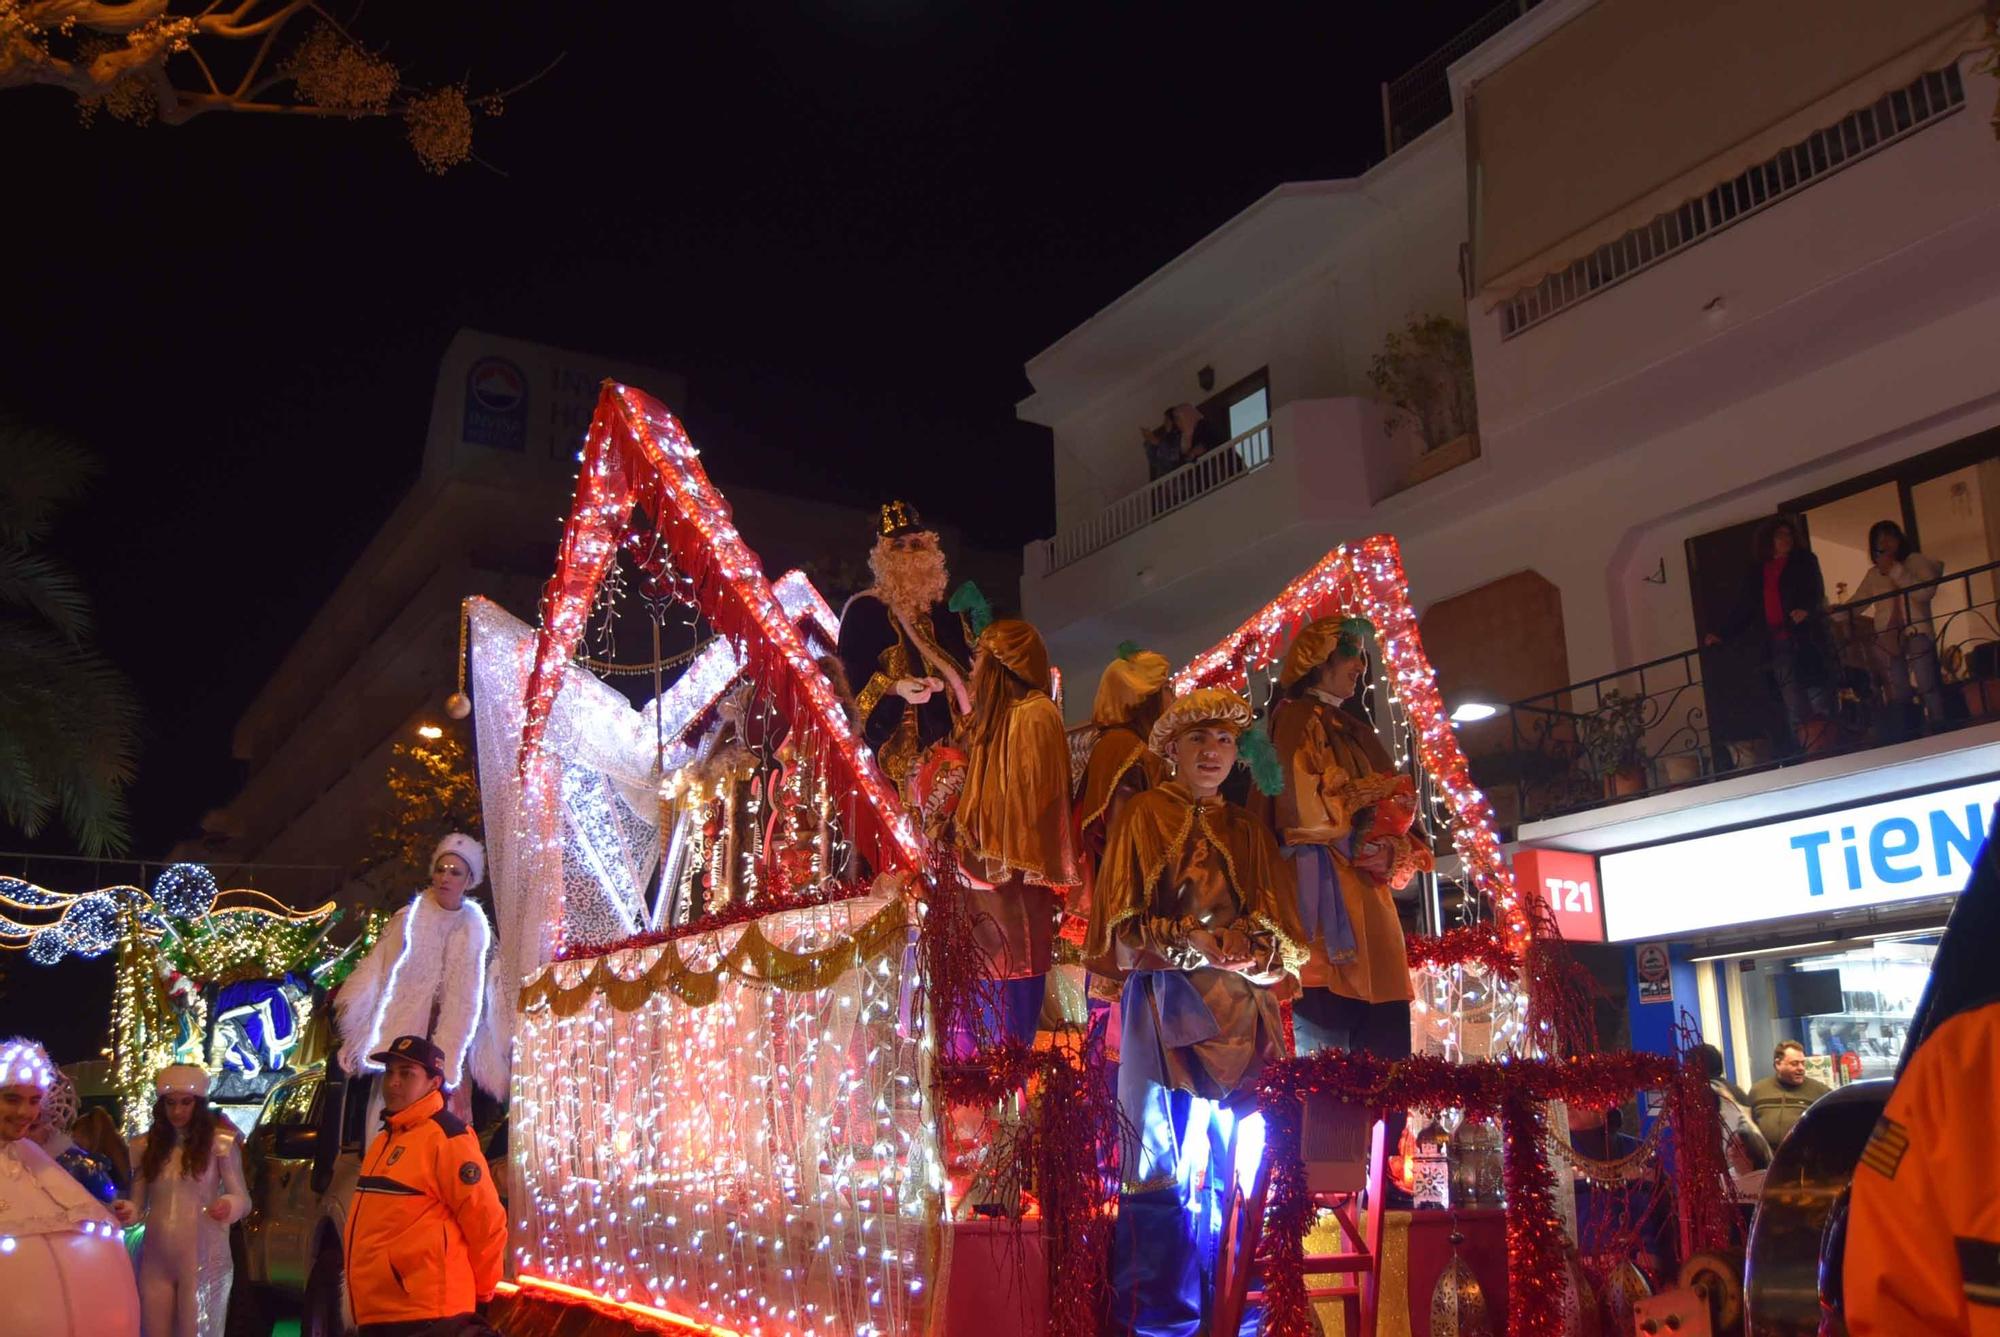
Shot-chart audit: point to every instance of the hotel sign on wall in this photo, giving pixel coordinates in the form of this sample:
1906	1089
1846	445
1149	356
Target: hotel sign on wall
1901	849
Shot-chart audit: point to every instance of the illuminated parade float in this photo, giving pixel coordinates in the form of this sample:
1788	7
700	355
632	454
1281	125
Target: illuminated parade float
752	1090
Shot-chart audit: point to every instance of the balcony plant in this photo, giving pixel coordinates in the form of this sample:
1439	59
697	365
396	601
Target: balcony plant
1425	369
1613	738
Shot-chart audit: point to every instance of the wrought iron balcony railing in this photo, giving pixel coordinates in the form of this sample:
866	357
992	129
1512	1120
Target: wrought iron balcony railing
1863	674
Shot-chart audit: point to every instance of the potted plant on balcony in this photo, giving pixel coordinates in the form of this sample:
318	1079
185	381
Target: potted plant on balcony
1613	737
1425	369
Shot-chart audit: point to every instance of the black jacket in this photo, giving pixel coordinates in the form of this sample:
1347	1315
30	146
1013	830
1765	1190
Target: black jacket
1800	587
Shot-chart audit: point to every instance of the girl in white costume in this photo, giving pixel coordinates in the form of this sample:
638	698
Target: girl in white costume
187	1186
432	973
63	1267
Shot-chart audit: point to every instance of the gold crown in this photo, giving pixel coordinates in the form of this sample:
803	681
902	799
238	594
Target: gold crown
899	517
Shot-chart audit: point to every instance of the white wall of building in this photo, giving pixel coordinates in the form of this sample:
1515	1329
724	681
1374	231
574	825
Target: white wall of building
1839	331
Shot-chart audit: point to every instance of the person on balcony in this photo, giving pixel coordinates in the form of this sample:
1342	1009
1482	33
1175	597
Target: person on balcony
905	655
1905	642
1784	607
1184	437
1347	820
1193	908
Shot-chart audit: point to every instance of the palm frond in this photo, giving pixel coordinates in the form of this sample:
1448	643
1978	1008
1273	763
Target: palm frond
68	739
40	473
47	589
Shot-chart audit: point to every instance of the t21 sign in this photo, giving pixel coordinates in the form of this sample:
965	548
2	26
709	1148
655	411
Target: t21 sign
1567	883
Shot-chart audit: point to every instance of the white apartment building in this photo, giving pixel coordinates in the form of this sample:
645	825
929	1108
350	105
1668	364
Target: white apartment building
1715	261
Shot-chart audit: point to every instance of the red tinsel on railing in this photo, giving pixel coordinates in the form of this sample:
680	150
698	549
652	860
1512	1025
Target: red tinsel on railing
1066	1152
1473	945
1514	1091
1562	994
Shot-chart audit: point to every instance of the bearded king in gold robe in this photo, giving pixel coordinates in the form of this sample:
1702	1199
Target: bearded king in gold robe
903	652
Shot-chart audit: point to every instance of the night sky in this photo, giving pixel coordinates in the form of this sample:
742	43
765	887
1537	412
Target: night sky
847	223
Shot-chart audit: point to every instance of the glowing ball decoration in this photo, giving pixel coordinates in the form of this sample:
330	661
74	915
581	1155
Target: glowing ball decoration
92	924
48	947
185	890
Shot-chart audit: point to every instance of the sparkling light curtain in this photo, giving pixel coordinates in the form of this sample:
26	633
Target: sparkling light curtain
735	1145
599	840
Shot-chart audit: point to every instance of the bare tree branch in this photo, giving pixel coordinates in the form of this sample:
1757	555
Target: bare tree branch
249	56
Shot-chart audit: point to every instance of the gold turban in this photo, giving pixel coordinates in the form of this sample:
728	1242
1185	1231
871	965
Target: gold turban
1018	646
1127	684
1204	705
1318	639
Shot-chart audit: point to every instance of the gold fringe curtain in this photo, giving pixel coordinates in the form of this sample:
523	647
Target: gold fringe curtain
754	957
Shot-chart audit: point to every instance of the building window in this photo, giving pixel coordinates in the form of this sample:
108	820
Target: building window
1242	407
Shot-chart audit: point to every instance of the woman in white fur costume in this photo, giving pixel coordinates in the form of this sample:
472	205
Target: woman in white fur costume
64	1271
433	973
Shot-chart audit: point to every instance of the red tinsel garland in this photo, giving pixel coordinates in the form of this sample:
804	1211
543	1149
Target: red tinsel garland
1515	1091
638	455
1702	1188
1068	1150
1562	994
1472	945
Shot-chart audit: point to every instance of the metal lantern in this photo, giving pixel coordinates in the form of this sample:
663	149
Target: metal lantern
1477	1166
1458	1306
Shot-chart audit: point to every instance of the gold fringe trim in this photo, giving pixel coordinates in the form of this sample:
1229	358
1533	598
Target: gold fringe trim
1111	790
754	958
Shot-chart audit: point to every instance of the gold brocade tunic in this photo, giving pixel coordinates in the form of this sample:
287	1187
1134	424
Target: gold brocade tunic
1013	830
1119	762
1119	766
1177	867
1334	767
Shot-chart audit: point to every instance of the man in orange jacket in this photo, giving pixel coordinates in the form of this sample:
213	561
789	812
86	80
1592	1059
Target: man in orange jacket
426	1235
1923	1225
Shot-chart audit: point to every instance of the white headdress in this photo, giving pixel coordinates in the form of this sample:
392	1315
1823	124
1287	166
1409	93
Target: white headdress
181	1079
23	1062
466	848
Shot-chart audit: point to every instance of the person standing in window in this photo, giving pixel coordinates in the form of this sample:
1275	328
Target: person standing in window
1784	606
1905	644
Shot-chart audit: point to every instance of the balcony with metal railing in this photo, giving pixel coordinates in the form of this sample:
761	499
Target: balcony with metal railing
1865	674
1216	469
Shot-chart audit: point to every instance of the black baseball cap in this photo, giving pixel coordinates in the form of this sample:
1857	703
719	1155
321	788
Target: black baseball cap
413	1049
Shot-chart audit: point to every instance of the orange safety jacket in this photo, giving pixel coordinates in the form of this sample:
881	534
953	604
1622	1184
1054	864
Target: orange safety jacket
426	1235
1923	1225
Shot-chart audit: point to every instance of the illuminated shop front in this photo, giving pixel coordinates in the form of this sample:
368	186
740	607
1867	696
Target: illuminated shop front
1807	909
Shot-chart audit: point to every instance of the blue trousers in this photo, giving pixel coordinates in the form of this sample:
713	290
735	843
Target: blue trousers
1179	1153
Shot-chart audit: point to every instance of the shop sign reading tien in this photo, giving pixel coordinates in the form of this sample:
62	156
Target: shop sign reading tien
1900	849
